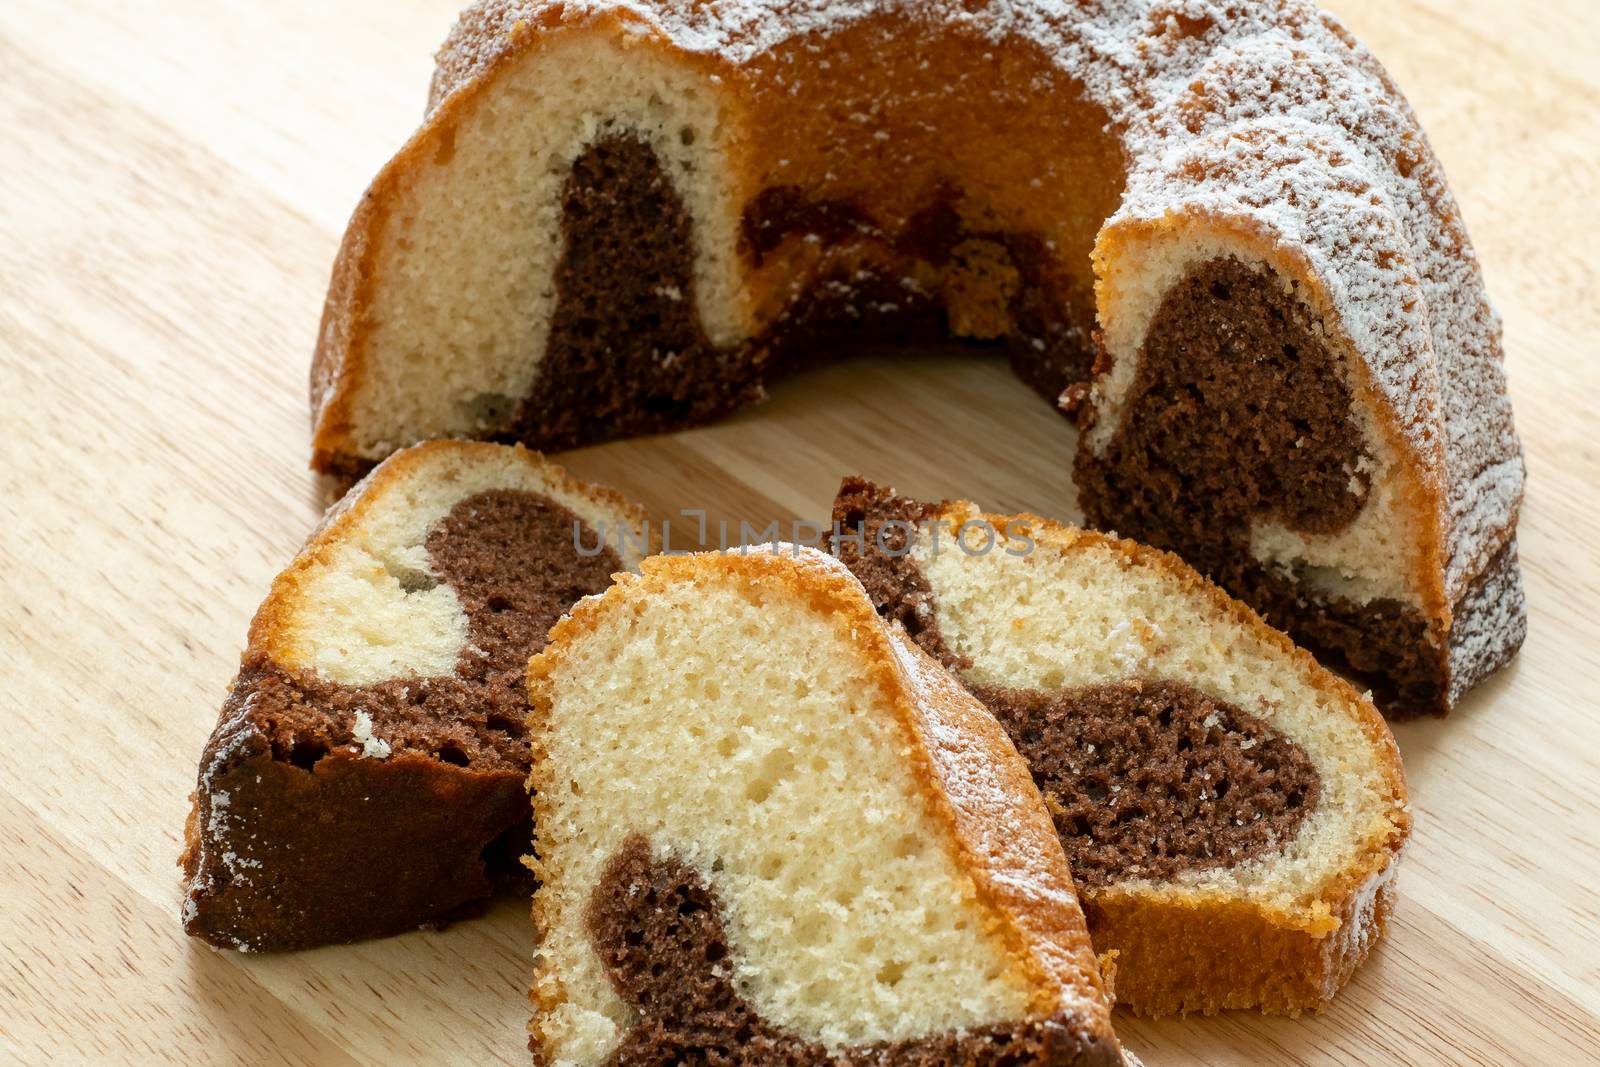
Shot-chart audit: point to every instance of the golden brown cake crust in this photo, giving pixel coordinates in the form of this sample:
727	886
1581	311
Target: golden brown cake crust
1217	955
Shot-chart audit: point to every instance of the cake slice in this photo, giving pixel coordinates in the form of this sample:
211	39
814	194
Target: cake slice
770	830
1233	812
366	773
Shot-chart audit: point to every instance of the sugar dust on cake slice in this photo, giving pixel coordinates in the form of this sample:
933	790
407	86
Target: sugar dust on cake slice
771	830
366	773
1233	812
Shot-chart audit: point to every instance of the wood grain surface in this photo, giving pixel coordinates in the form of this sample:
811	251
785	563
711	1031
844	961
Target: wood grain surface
174	178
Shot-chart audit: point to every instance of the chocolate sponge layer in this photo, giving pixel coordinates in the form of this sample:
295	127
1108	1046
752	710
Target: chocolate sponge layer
657	925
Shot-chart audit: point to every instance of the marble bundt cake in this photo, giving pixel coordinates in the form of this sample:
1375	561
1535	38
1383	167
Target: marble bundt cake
769	830
366	773
1214	230
1233	813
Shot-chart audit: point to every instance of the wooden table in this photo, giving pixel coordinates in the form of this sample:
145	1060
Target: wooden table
173	180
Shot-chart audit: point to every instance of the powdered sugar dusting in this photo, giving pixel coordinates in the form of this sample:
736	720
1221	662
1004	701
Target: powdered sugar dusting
1362	925
1493	619
372	746
234	741
1268	112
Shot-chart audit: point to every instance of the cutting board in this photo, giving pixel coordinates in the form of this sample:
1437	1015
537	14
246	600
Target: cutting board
174	179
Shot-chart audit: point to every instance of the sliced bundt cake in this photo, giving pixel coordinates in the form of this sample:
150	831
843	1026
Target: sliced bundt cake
772	831
366	773
624	217
1233	812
